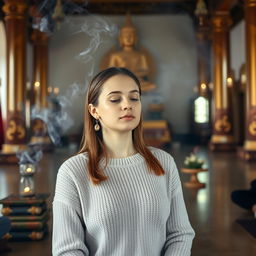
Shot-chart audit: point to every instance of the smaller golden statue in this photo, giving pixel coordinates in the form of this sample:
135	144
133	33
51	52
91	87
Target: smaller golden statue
129	56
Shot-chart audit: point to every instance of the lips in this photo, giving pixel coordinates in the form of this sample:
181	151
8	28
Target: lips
127	117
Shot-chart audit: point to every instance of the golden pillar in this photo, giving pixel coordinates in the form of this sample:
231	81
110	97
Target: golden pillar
203	48
222	138
15	128
250	30
40	77
40	84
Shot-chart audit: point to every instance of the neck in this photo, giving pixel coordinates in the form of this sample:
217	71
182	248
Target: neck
119	145
128	48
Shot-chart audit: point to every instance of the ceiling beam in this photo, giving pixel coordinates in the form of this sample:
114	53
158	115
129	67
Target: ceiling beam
225	6
133	1
121	7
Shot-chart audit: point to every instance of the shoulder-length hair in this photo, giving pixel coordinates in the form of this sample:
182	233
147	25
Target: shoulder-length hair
92	141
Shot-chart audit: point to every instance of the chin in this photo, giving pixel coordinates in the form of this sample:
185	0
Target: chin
128	128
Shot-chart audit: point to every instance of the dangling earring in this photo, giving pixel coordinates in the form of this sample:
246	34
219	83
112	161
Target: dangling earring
97	126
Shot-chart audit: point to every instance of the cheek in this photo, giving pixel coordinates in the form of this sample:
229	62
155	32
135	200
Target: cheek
107	109
138	108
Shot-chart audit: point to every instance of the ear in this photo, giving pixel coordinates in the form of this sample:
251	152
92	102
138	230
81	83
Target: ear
93	111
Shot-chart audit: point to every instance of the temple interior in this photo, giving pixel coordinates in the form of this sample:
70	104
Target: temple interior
196	62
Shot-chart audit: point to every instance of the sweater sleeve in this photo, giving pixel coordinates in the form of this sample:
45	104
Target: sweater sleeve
179	233
68	227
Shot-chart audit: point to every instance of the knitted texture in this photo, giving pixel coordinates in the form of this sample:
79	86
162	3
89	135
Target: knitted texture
134	212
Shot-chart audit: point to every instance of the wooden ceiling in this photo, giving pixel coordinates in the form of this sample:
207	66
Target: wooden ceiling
172	7
155	6
145	7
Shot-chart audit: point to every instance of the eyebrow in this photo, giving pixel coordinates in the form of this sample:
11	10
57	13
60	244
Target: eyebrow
119	92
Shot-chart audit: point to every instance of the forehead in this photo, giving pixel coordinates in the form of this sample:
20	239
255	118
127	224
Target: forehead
127	30
121	83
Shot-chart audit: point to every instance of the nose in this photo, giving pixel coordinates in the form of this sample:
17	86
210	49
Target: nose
127	105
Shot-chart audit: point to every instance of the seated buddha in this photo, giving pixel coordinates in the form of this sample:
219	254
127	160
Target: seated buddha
138	61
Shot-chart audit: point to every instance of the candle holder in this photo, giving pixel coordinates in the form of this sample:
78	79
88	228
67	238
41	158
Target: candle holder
27	169
27	184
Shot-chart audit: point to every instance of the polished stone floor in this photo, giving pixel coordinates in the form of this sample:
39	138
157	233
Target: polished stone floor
211	212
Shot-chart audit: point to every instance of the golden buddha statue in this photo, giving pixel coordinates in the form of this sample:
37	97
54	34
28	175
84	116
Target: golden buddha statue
137	60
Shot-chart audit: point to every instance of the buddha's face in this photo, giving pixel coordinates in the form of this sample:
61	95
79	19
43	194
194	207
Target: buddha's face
128	36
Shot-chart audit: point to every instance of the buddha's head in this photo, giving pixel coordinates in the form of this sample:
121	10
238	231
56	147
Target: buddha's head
127	34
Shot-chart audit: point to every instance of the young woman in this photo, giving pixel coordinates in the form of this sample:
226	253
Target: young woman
118	197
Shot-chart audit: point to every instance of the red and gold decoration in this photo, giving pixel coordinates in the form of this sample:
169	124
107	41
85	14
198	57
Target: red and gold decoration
28	215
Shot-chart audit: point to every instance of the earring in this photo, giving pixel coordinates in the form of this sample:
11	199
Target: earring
97	126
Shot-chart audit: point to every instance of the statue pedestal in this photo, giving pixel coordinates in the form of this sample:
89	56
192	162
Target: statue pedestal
194	182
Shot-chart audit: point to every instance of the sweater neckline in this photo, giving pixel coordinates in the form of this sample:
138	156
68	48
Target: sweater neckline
129	160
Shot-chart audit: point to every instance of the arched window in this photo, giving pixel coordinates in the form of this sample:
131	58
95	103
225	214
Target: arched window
201	110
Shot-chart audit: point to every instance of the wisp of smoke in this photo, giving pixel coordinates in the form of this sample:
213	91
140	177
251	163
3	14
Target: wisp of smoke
30	156
56	118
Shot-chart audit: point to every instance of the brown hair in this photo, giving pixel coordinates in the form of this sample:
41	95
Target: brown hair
92	141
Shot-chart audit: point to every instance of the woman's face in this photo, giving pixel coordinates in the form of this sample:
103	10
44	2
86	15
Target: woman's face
119	105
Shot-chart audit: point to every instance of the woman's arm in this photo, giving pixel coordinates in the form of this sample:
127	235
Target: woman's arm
179	233
68	226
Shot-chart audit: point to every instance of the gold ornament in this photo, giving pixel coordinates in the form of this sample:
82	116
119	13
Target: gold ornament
15	130
223	124
252	128
97	126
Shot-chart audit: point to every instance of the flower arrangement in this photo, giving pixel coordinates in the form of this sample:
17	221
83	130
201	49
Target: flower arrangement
193	161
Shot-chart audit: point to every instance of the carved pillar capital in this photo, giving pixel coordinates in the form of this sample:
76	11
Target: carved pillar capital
221	21
15	9
250	3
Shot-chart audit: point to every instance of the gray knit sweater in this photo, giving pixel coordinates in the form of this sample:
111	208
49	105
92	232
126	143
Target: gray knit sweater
134	212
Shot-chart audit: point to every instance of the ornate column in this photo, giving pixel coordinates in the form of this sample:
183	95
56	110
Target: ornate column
15	128
203	48
40	84
222	138
40	44
250	30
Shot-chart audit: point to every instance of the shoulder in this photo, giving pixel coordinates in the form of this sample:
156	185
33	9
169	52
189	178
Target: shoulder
165	159
74	165
160	154
71	176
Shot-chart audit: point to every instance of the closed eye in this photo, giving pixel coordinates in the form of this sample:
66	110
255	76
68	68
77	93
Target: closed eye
117	100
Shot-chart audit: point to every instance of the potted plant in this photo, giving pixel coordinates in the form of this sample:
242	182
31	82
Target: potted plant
193	165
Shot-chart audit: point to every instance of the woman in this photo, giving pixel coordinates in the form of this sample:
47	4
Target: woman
117	197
